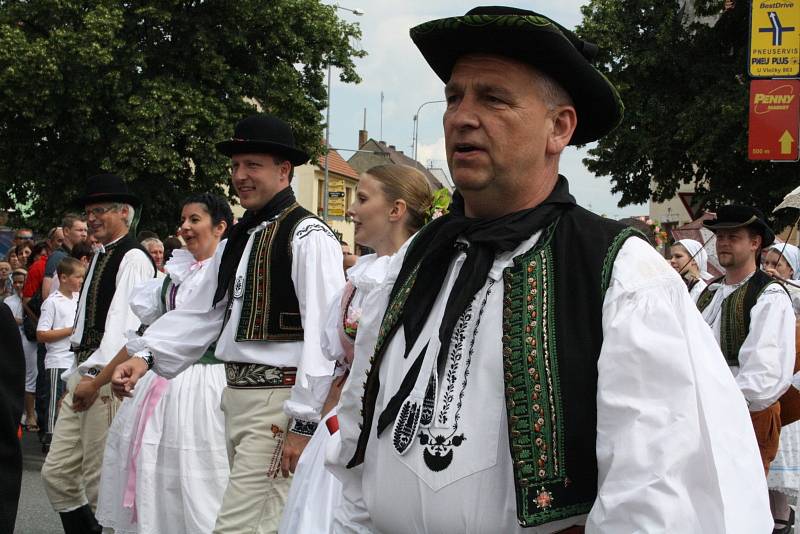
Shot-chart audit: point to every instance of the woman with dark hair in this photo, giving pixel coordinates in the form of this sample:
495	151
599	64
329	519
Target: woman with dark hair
166	465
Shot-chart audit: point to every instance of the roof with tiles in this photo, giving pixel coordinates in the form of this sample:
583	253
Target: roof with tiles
381	152
337	165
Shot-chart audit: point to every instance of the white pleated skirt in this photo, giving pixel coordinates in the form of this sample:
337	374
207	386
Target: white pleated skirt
784	471
182	466
315	492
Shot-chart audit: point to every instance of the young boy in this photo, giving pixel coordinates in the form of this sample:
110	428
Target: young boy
28	347
56	323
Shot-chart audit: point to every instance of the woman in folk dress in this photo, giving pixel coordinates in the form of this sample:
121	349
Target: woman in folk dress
166	466
392	203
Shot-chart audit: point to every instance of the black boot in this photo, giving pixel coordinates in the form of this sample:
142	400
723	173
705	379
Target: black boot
80	521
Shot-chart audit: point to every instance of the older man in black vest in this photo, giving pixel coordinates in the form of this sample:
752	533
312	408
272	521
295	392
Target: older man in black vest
71	471
533	367
273	282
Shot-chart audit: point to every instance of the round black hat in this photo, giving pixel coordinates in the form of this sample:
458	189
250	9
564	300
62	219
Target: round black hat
533	39
263	134
735	216
107	188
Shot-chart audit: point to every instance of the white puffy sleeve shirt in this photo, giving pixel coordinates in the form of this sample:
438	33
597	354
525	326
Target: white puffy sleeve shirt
675	446
367	274
134	268
181	337
766	359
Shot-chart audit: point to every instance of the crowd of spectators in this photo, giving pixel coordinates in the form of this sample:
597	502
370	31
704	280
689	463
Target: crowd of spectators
29	274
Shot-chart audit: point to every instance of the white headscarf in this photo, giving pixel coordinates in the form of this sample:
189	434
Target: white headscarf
698	254
792	256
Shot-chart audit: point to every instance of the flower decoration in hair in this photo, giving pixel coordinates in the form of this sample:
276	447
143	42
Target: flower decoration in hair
659	234
439	205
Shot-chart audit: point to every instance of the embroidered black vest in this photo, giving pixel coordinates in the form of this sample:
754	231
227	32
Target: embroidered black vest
270	309
99	291
552	336
735	320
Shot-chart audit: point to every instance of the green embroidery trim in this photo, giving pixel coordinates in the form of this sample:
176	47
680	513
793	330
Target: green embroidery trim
533	389
733	329
394	311
704	299
734	325
611	255
500	21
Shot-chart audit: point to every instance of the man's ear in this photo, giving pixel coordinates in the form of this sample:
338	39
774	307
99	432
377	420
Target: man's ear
565	120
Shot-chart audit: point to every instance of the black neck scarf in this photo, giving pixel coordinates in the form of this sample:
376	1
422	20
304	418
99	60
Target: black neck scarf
237	240
486	238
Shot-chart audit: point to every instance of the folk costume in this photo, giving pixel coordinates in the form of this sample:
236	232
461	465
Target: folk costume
279	270
700	256
784	470
165	466
71	471
754	324
504	390
315	491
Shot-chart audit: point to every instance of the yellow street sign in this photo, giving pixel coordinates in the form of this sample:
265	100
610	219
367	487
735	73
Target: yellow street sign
336	197
774	38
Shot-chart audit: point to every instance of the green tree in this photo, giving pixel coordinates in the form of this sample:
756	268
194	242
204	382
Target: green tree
686	92
144	88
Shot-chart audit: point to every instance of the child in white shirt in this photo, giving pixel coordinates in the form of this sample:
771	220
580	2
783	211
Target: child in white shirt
56	323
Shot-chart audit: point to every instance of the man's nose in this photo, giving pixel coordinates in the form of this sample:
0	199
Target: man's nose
462	115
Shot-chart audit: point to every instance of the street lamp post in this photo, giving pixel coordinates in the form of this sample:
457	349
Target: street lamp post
358	13
416	123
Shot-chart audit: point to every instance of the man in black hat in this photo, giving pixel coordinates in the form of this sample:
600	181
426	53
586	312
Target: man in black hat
280	268
753	320
533	367
71	471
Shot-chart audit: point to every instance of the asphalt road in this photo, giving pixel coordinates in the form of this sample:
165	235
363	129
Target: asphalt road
35	515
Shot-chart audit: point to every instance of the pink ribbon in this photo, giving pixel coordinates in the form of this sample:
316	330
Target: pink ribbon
151	397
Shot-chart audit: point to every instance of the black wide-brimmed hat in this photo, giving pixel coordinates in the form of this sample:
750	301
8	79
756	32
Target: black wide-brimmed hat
735	216
263	134
107	188
533	39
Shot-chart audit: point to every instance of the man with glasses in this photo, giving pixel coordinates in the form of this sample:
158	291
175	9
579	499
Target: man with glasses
71	471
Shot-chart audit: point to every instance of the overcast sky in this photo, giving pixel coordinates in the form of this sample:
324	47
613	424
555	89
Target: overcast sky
395	66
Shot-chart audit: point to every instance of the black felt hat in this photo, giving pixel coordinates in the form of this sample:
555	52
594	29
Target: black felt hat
533	39
735	216
263	134
107	188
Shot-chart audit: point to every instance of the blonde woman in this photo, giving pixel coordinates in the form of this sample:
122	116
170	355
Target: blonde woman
392	203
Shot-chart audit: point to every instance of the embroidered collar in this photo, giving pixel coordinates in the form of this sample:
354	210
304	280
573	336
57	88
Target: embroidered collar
182	264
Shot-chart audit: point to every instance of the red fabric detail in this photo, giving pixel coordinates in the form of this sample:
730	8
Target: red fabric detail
333	424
